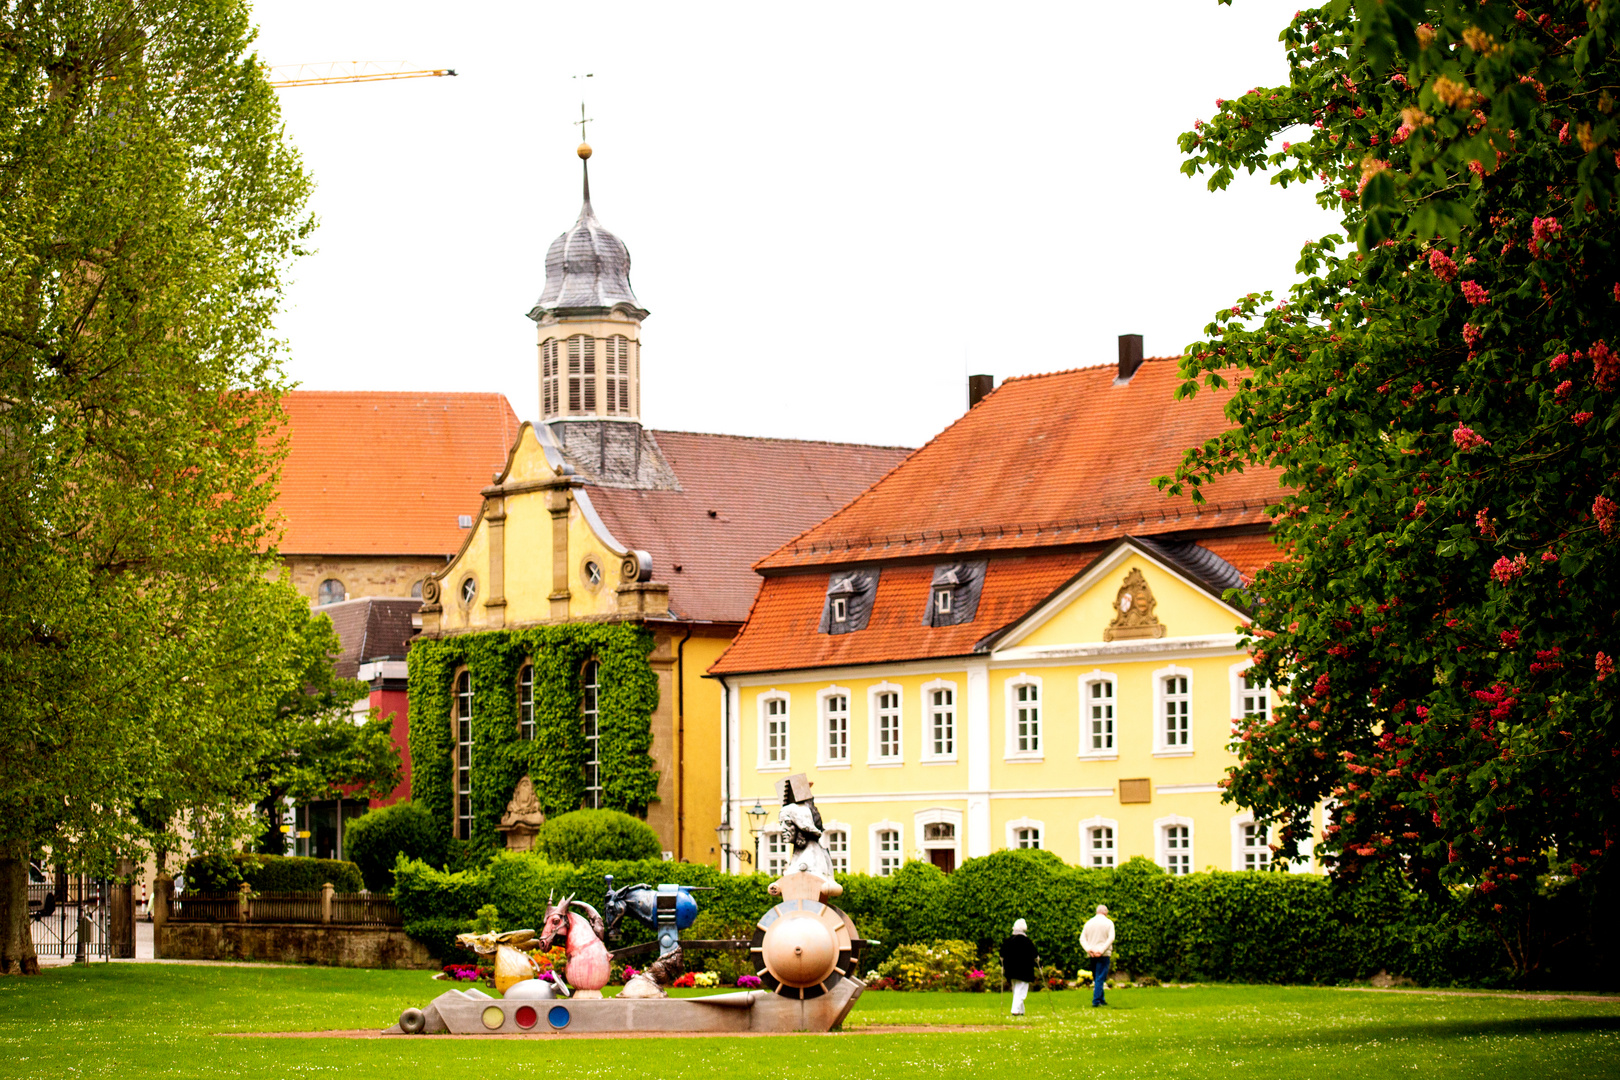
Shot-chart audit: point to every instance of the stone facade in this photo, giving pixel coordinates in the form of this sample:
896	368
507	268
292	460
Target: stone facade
291	943
361	575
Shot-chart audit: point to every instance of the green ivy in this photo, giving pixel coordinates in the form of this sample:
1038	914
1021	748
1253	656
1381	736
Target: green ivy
555	758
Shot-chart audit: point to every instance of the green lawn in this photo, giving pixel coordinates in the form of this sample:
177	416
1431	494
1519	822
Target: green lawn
149	1021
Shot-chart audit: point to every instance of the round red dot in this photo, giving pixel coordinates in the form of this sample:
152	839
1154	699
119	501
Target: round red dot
526	1016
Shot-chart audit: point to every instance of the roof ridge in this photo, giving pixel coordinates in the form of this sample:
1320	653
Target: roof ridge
399	393
1075	370
780	439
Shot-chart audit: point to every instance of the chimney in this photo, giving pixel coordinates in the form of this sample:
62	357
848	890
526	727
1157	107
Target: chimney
978	386
1130	355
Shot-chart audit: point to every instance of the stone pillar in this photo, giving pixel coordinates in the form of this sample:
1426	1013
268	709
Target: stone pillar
121	913
326	902
242	902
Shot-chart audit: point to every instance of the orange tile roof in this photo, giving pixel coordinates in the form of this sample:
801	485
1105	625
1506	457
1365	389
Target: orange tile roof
1044	460
741	499
386	472
781	634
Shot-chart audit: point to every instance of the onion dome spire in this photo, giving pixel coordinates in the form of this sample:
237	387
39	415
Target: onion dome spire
587	267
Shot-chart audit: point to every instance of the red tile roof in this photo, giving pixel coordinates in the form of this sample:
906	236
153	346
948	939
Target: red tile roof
387	473
741	498
1044	460
781	634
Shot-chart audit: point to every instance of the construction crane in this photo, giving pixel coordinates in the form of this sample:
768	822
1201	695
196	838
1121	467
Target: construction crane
348	71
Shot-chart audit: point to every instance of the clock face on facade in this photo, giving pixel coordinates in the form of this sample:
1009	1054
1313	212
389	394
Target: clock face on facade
1124	602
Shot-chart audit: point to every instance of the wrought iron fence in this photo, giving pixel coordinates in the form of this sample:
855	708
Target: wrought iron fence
70	917
348	909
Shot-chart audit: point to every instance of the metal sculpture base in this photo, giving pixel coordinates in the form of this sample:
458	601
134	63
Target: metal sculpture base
473	1013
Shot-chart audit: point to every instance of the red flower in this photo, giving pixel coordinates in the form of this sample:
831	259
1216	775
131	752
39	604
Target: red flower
1466	439
1604	510
1475	294
1582	419
1504	571
1605	666
1605	365
1558	361
1472	334
1443	267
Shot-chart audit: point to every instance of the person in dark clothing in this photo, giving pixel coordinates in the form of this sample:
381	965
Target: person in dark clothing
1018	964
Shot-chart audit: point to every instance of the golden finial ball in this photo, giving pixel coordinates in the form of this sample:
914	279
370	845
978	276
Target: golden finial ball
584	151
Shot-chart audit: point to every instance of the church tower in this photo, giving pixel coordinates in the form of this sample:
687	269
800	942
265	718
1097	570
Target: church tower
589	324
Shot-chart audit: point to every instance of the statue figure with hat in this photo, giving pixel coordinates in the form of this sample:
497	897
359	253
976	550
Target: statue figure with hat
802	829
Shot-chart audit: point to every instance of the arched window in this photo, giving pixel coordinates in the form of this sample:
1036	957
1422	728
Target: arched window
331	592
618	375
526	702
416	589
588	704
550	379
581	374
464	755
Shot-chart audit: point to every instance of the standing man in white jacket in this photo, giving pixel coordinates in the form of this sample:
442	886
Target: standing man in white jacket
1097	938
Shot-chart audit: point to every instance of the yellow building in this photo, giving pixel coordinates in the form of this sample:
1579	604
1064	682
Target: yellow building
1014	640
598	521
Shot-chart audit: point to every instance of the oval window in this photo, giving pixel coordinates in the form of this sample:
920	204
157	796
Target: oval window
469	589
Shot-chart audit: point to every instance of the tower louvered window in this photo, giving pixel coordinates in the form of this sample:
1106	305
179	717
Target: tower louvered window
581	374
550	379
618	375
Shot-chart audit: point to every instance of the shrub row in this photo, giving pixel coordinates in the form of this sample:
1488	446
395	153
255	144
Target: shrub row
269	874
1251	927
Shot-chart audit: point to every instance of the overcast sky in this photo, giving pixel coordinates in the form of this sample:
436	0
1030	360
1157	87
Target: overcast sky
835	211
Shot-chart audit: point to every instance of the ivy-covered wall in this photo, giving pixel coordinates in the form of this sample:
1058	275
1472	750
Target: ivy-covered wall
555	757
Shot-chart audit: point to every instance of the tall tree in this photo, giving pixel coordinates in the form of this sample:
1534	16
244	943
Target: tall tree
148	206
1442	400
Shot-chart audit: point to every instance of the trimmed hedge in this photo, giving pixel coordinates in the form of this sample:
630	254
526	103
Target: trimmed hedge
378	837
1247	926
602	835
270	874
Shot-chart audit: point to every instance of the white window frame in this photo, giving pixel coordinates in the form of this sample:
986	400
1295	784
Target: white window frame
840	609
1161	852
1235	674
1107	753
465	710
1012	752
1026	823
824	759
875	861
772	837
874	745
1088	849
786	763
1239	822
939	815
942	601
590	712
926	755
840	861
1161	747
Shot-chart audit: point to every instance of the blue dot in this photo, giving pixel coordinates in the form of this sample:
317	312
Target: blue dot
558	1016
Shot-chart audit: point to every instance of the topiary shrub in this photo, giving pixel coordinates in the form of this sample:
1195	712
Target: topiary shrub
270	874
583	836
376	839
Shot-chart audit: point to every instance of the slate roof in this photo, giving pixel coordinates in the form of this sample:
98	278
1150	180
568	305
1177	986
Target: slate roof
1063	458
386	472
370	628
587	268
739	499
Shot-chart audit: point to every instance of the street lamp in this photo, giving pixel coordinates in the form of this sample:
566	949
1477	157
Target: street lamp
723	831
756	825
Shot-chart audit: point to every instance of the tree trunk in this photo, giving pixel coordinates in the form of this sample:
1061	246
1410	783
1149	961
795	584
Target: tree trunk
271	841
16	940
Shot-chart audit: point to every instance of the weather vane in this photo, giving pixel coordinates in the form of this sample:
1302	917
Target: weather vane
583	120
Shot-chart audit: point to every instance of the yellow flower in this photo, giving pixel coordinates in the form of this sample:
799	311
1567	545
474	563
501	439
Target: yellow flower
1454	94
1425	35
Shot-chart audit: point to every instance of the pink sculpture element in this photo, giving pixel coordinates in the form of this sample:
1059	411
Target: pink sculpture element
588	966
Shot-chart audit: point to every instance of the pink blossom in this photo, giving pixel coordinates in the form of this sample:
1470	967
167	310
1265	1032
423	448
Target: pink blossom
1475	294
1546	228
1482	521
1422	712
1472	334
1505	570
1563	134
1617	290
1286	146
1346	194
1222	101
1582	419
1605	666
1466	439
1402	133
1563	390
1507	247
1510	639
1558	361
1441	264
1398	79
1549	556
1476	167
1605	365
1604	510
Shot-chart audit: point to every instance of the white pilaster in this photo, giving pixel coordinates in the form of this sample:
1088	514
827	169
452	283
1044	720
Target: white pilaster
979	840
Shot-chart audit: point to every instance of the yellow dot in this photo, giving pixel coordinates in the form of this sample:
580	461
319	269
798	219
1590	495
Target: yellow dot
584	151
493	1017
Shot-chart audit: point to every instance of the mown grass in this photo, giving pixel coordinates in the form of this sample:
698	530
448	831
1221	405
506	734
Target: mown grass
165	1021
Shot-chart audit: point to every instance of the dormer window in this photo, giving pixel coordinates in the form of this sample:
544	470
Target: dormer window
849	601
954	594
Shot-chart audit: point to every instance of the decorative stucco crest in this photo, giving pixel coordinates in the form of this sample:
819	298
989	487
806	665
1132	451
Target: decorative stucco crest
1133	611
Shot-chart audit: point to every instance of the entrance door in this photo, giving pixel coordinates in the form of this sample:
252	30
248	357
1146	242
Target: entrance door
944	858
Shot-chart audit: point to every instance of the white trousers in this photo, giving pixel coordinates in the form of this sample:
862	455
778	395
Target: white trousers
1020	992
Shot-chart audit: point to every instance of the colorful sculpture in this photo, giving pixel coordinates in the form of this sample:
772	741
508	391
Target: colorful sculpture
587	970
668	909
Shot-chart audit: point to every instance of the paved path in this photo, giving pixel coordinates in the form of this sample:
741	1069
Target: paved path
369	1033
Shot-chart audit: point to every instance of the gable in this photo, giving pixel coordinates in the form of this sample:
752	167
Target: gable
1085	611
